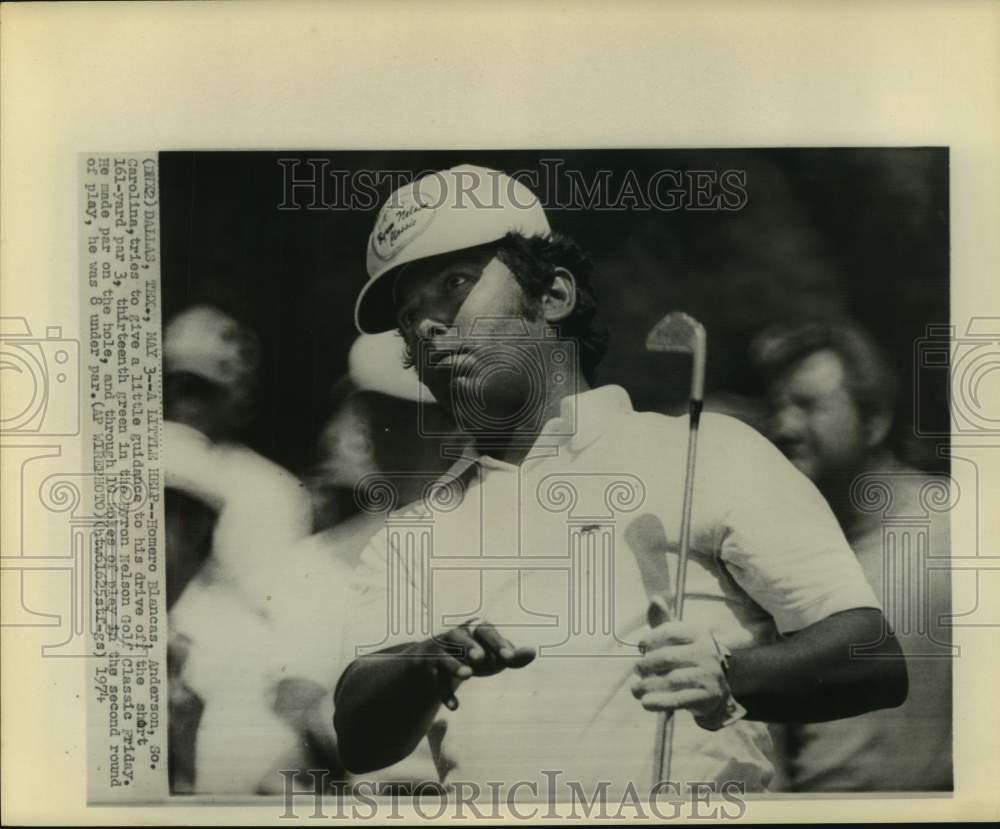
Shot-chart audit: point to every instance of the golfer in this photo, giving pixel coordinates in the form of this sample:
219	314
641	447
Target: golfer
516	633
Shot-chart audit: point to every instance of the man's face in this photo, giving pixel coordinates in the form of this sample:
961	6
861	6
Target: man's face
455	305
199	403
815	421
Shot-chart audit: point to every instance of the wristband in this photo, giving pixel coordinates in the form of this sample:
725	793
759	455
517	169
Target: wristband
731	710
723	653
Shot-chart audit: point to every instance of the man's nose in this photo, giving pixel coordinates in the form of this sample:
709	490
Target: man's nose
429	327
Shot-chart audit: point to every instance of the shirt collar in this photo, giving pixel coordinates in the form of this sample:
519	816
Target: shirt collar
582	419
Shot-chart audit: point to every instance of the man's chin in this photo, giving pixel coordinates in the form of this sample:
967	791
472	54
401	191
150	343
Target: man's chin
486	404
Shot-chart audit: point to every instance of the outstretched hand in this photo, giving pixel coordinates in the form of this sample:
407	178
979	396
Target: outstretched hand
474	648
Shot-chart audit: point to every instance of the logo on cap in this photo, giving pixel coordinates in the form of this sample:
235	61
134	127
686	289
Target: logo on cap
401	221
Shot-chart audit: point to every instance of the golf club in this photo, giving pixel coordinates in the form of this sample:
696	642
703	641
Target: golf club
679	333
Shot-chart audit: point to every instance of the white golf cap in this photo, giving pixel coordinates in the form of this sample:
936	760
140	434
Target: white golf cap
441	212
375	363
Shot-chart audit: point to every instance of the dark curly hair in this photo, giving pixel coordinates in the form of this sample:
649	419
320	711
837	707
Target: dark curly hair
534	262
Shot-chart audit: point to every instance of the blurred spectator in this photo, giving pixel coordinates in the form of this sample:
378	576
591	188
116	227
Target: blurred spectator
748	409
373	435
832	393
257	506
232	520
260	613
384	420
209	363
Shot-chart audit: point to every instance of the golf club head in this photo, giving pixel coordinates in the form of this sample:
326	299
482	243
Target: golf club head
678	332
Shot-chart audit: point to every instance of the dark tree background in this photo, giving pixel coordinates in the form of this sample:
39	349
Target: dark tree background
824	232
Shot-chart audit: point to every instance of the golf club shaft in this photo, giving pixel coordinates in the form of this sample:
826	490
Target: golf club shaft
665	727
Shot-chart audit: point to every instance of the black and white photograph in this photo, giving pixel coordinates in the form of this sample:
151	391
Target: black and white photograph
507	414
561	474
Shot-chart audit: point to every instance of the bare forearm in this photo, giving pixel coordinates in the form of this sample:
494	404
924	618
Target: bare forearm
383	707
812	675
386	702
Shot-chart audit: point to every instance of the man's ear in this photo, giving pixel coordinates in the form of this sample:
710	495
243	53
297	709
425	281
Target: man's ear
559	300
877	429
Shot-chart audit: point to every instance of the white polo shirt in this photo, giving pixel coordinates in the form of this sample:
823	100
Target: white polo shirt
563	552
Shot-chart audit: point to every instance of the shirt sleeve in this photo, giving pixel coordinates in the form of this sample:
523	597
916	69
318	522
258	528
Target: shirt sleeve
307	612
385	602
779	538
